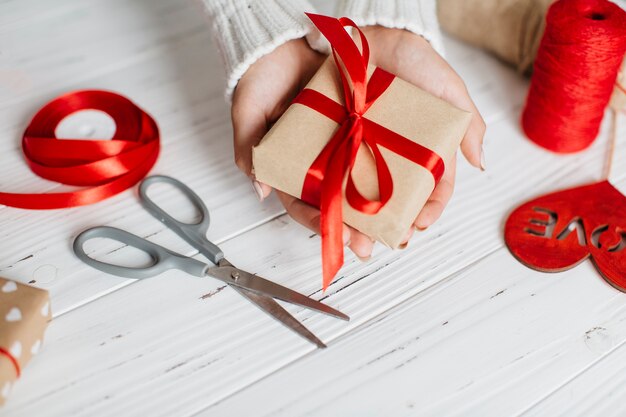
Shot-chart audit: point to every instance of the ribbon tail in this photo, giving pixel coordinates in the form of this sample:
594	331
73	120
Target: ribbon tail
331	217
331	226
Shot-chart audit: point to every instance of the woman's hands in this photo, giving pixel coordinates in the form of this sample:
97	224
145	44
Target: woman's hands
264	93
411	58
268	87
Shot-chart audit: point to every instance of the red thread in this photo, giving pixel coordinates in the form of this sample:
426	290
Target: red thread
574	74
12	359
108	167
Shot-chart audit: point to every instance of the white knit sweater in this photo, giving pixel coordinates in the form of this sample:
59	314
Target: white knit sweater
245	30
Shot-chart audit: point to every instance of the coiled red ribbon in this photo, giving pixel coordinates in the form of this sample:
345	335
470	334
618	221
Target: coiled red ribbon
324	180
108	167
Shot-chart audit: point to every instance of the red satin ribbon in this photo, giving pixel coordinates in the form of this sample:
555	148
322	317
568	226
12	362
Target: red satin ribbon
324	180
11	358
108	167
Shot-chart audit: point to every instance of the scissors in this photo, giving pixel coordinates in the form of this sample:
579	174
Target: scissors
259	291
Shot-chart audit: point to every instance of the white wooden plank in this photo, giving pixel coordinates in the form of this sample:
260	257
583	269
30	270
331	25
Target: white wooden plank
488	342
160	56
125	353
132	369
169	68
598	391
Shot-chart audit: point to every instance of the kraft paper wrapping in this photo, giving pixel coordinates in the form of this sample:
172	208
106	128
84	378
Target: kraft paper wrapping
283	157
24	316
510	29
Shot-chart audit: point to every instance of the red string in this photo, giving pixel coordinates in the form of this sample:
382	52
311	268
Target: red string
108	167
574	74
12	359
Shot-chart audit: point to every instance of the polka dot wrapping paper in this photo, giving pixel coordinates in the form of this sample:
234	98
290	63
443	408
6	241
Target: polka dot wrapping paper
24	316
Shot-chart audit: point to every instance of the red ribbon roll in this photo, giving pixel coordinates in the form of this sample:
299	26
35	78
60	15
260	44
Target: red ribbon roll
324	180
108	167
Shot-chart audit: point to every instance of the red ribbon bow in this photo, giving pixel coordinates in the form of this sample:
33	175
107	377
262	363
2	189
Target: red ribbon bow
107	166
324	180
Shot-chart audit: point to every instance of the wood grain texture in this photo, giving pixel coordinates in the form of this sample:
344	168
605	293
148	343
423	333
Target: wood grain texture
160	56
489	341
597	390
451	326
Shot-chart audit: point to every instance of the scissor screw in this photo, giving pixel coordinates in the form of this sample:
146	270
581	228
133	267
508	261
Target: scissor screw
235	275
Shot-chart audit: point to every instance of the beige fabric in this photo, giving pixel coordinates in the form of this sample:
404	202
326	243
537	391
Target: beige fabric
510	29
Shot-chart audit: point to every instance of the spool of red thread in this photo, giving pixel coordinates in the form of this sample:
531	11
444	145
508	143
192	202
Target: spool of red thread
574	73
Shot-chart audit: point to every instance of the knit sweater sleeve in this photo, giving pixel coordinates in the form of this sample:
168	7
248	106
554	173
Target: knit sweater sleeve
245	30
417	16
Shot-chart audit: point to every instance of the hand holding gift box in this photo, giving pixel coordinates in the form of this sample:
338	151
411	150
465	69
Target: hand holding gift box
24	315
361	133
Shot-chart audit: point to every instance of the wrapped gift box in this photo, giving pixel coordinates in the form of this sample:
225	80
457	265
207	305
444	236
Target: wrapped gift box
285	154
24	316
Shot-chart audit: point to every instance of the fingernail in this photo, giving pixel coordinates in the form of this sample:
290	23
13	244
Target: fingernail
258	190
404	244
364	258
483	166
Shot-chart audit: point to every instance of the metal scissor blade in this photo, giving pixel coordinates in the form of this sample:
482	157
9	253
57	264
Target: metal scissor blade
231	275
277	312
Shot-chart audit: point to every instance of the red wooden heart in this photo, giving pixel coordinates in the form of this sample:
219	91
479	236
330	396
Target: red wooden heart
557	231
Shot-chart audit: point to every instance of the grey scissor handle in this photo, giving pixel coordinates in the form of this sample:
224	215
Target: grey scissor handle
162	259
193	233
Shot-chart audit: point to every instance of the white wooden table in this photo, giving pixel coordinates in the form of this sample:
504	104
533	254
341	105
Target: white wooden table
451	326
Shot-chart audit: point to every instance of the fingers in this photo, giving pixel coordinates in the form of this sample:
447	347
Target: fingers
438	199
261	190
306	215
405	243
249	127
360	244
413	59
309	217
472	143
263	94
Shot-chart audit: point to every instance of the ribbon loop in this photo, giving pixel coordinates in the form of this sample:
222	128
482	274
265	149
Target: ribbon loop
108	167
